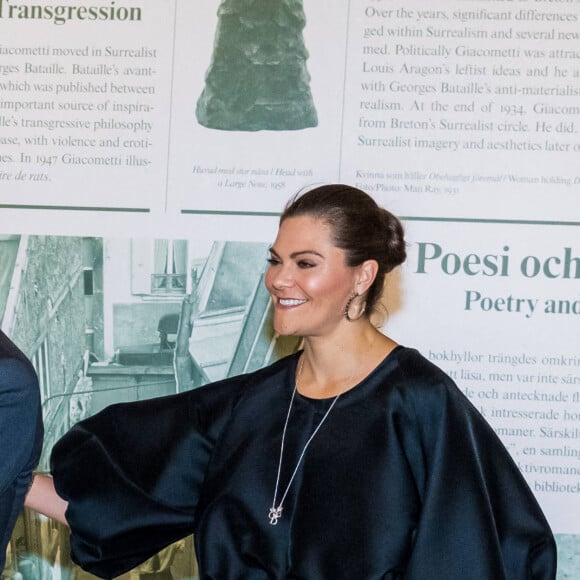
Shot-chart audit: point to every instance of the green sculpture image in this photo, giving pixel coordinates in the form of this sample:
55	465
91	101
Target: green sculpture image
257	78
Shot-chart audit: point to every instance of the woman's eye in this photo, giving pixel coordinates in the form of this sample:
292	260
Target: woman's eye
272	261
303	264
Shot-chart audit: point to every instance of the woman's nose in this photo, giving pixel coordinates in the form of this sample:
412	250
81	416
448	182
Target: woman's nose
279	277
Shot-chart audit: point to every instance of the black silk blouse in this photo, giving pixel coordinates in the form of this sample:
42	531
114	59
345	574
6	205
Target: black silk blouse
404	480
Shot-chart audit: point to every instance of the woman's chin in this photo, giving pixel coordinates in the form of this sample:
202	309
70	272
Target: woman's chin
285	330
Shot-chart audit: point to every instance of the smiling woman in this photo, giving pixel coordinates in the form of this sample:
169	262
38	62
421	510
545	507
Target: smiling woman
355	457
334	246
308	278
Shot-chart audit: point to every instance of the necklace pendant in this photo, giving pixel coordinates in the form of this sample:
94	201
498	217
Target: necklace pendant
274	515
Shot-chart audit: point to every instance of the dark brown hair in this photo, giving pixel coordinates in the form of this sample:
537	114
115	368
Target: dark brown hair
360	227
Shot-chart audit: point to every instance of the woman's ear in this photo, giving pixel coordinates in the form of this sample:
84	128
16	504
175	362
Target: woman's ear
366	276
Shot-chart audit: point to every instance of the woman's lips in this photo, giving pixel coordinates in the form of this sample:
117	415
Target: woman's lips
290	301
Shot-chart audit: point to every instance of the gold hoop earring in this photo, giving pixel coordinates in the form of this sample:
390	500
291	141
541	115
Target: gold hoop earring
347	306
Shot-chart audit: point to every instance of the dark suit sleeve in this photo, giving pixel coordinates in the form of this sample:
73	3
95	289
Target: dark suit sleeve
21	434
479	518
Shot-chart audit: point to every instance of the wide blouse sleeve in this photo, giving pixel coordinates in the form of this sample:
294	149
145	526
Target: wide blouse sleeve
479	518
132	475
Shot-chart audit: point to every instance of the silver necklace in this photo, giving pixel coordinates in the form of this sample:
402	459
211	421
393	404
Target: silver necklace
275	513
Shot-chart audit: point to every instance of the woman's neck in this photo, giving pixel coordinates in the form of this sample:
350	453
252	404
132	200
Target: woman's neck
329	367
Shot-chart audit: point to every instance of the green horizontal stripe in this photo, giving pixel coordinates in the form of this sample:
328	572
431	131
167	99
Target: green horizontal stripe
74	208
404	218
489	221
224	212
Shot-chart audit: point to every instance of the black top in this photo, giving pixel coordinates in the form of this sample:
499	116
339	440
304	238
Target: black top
21	434
404	479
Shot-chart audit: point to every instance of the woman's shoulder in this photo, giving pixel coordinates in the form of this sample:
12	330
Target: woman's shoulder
427	389
416	370
421	383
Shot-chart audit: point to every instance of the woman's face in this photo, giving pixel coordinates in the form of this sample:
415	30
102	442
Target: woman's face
308	279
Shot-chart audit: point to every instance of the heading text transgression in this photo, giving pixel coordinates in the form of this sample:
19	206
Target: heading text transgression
61	14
